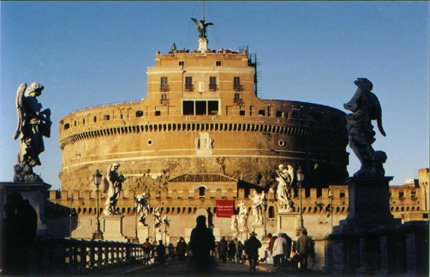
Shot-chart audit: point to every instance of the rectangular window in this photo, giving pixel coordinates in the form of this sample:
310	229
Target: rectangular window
236	83
242	112
106	117
157	113
261	112
212	83
213	107
200	107
218	63
188	107
95	119
189	83
278	113
181	63
296	114
163	84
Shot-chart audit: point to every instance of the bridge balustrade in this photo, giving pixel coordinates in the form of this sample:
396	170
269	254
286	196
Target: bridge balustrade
59	256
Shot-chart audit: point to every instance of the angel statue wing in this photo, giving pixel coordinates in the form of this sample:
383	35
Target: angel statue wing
196	22
377	113
19	108
291	173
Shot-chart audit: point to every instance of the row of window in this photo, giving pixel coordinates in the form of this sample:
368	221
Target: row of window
182	63
189	86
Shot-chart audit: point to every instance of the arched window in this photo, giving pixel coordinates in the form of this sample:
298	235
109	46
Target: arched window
271	212
202	191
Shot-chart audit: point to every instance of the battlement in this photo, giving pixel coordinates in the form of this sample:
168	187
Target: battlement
333	199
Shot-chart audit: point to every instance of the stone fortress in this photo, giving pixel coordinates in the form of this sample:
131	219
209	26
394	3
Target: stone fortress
202	135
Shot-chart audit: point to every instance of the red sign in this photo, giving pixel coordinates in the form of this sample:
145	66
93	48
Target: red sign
224	208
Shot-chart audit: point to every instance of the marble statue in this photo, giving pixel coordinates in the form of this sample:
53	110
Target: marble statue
33	124
257	207
285	180
201	27
157	218
365	107
235	224
142	208
243	217
115	186
166	222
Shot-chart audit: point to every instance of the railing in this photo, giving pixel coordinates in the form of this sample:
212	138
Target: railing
82	256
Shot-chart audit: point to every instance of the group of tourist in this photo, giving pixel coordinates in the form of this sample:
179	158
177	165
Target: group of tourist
200	252
283	252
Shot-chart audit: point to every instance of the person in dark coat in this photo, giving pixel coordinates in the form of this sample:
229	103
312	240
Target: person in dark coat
202	241
181	249
222	249
251	250
161	252
231	250
304	244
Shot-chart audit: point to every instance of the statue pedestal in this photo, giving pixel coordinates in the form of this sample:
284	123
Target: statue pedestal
243	235
203	45
288	222
142	232
112	227
369	205
34	193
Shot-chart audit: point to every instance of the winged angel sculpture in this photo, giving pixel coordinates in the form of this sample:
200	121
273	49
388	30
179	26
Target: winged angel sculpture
33	125
201	27
365	107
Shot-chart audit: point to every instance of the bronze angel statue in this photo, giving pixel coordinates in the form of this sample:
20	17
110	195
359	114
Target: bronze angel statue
365	107
33	125
201	27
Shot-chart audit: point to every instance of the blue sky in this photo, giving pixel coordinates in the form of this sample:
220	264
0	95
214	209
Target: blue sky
93	53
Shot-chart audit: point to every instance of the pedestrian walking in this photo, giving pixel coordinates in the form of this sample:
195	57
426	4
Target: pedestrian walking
161	252
304	244
202	242
222	250
147	248
251	249
280	249
181	249
231	250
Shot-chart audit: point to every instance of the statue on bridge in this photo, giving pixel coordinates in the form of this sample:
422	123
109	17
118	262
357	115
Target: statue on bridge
365	107
33	124
285	181
257	208
143	207
115	186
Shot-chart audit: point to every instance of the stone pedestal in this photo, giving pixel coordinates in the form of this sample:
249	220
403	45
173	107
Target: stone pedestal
288	222
112	227
369	205
35	193
203	45
142	232
357	244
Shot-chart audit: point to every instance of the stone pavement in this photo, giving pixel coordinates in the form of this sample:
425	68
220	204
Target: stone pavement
175	268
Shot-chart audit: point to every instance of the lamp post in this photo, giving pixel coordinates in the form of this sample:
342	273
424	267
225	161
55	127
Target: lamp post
97	180
300	178
331	196
265	215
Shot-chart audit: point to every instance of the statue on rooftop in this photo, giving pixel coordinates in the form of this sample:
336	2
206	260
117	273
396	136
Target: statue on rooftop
365	107
115	186
33	125
285	181
201	27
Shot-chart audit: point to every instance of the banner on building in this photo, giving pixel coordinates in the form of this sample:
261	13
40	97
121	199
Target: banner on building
224	208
